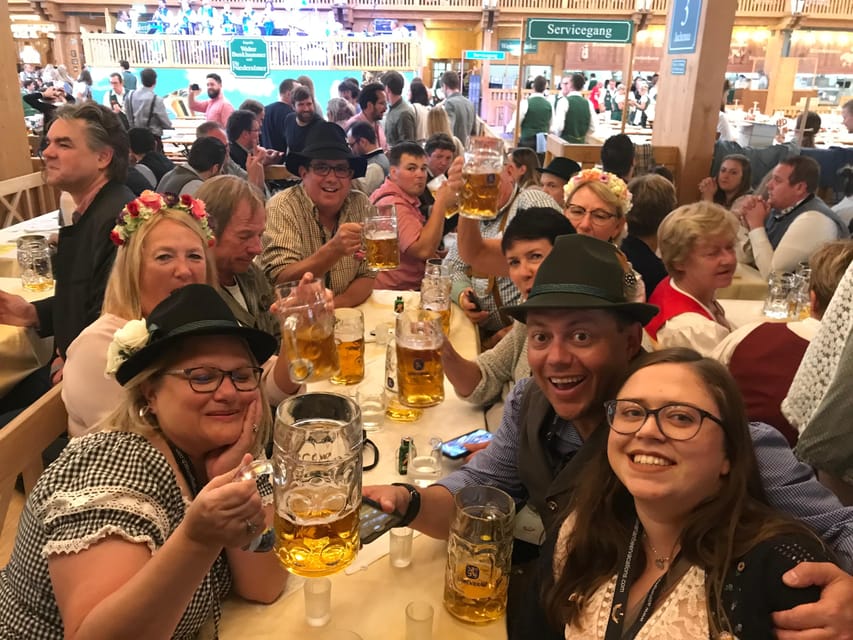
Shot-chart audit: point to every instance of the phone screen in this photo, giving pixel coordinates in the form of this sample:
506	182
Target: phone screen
456	448
373	522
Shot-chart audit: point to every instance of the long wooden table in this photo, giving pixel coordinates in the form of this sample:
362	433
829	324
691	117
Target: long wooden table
21	350
372	601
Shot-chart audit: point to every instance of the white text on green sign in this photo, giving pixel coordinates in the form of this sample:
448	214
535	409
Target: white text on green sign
249	58
485	55
612	31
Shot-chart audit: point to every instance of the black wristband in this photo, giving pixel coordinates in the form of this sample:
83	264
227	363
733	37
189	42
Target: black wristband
414	503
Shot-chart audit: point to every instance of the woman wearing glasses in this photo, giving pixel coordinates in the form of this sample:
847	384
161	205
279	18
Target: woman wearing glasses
697	246
680	542
140	529
164	243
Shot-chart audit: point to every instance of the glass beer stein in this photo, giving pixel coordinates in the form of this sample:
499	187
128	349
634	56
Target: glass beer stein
481	176
34	262
307	331
435	296
349	338
479	554
420	375
316	476
381	244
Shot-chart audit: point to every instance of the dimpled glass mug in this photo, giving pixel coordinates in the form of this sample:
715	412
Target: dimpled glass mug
307	330
316	476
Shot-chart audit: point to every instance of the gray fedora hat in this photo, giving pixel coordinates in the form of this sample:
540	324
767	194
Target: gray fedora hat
582	272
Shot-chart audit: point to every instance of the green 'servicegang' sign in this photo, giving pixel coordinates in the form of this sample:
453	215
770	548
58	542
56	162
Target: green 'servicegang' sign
612	31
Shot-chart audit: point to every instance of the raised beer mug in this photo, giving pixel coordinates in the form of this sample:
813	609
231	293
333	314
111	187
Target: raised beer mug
307	331
479	554
381	244
316	476
481	176
420	375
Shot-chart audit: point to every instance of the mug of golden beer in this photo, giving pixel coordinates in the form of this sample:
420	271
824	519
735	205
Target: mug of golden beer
381	245
316	476
420	375
481	176
349	338
33	254
435	295
479	554
307	331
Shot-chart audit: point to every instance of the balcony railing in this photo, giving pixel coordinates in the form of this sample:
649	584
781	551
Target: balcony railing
350	53
592	7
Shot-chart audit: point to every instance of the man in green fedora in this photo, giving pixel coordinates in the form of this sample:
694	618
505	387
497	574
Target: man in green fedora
582	333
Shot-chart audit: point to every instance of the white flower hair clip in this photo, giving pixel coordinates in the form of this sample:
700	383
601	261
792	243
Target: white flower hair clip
127	340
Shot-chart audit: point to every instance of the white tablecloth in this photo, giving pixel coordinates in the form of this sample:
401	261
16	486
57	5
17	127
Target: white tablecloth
21	350
372	601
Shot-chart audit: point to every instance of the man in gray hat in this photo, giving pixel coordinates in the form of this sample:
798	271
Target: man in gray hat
582	332
316	226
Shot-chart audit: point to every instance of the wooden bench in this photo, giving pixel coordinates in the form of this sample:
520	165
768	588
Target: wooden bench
25	197
23	441
589	155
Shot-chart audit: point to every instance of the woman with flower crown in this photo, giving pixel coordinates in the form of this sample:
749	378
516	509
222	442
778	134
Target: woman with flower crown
164	244
597	203
141	529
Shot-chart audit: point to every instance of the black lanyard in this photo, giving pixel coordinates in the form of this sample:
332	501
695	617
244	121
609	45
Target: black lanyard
620	595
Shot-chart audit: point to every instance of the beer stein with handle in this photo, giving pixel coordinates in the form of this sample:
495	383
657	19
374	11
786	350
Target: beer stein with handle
479	554
481	175
307	330
316	476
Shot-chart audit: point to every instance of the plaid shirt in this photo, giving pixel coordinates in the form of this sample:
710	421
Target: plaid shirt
294	233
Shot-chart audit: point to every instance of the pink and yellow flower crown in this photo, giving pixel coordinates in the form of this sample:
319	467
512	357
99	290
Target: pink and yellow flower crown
614	184
149	204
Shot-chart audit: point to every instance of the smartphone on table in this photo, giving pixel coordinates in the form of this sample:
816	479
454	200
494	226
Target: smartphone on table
455	449
373	521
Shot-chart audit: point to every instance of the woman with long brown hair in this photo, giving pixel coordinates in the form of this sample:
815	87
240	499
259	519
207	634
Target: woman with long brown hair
676	540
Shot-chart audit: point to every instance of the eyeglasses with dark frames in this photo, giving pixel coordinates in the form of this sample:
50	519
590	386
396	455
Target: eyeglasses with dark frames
597	217
209	379
325	169
675	420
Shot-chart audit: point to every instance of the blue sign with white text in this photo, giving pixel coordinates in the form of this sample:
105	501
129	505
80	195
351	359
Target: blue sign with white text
679	66
485	55
684	26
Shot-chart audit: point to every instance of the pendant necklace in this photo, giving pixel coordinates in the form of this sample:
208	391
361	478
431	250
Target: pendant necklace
660	561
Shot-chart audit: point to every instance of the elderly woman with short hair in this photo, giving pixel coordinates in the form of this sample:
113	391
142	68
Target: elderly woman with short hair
697	245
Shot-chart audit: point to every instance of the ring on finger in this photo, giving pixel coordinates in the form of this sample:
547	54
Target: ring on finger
251	527
254	428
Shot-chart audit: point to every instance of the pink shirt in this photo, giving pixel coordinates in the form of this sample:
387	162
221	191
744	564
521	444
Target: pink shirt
410	223
216	109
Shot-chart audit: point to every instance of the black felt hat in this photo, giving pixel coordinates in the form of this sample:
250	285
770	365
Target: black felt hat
563	168
193	310
326	141
582	272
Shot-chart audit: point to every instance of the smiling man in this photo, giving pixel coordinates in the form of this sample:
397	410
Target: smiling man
582	332
316	226
419	237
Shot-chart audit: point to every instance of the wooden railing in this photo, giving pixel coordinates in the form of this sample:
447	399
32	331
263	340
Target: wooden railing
593	7
353	53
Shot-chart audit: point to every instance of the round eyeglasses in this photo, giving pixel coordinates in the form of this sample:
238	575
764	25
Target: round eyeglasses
209	379
676	420
597	217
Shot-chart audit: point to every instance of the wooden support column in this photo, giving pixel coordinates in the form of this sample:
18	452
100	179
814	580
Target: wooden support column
688	105
15	150
69	45
781	72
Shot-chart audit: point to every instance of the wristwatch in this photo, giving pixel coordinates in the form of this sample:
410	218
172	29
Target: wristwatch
414	503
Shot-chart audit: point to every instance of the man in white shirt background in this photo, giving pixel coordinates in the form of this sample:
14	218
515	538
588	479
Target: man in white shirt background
793	222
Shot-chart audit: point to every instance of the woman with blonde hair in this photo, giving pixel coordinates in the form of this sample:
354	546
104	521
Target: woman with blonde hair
697	246
163	244
439	122
141	529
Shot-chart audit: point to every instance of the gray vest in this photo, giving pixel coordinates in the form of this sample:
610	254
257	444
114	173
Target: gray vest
549	482
776	227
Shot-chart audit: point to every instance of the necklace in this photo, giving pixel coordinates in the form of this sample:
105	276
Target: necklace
660	561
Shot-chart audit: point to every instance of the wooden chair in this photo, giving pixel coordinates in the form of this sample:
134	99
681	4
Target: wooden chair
25	197
23	441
